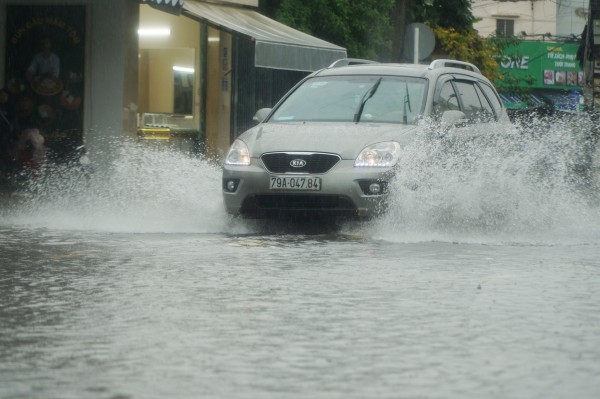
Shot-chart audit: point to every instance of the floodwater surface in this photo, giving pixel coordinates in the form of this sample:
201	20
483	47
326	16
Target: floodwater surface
482	280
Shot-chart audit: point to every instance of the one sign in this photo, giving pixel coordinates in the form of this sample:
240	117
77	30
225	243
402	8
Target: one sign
542	65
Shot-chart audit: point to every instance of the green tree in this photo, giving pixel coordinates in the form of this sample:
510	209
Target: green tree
470	47
362	27
455	14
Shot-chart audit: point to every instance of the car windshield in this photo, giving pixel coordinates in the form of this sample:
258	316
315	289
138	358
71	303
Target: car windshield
358	98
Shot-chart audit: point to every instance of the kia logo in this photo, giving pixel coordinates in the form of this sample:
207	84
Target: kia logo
297	163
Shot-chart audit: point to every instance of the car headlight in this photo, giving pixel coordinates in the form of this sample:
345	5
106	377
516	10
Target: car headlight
380	155
238	154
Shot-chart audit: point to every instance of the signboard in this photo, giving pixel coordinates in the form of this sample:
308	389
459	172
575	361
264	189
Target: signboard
545	70
45	59
542	65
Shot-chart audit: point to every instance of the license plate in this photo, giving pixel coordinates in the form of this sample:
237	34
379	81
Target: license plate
306	183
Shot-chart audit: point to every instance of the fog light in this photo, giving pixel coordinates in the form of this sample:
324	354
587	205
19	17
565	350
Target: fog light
231	185
375	188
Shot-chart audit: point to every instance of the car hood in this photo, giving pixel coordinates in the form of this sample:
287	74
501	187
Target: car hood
345	139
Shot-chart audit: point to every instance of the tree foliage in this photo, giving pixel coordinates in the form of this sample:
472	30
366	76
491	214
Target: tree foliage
470	47
362	27
449	14
374	29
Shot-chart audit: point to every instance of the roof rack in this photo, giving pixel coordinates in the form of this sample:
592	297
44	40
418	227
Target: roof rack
453	63
350	61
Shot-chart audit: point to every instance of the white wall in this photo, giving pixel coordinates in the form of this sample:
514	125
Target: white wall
532	17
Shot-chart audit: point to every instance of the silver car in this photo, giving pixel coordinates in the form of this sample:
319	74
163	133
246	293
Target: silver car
329	147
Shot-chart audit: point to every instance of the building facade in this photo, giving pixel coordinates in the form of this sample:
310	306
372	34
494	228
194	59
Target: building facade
191	73
544	66
527	19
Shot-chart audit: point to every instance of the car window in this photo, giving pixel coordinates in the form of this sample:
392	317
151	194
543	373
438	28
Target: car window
475	105
389	99
492	97
447	100
488	112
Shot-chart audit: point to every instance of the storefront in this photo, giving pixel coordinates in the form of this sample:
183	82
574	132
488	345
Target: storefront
226	61
187	73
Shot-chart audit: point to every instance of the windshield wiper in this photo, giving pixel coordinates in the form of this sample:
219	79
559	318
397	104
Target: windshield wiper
406	102
365	98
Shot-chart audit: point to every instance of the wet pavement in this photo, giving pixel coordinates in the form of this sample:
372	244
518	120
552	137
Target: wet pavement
97	315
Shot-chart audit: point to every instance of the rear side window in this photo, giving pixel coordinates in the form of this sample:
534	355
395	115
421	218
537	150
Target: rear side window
475	105
492	97
447	100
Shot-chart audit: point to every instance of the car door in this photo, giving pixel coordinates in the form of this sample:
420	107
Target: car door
474	103
463	138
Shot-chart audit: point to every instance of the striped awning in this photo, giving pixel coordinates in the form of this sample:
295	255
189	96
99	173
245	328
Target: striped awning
512	101
565	100
277	46
170	6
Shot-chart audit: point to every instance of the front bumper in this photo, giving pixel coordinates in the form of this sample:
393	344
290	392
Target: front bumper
344	192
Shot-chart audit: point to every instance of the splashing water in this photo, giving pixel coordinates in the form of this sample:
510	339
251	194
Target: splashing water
538	184
145	189
535	184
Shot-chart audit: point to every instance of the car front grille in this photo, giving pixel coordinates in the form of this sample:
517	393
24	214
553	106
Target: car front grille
305	162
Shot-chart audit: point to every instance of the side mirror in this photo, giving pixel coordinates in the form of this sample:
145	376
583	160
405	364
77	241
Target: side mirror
453	119
261	115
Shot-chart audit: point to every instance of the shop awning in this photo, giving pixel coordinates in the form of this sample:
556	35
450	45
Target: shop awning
170	6
277	45
513	101
566	100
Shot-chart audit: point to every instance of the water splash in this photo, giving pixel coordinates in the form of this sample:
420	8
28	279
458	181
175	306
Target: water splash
535	184
144	189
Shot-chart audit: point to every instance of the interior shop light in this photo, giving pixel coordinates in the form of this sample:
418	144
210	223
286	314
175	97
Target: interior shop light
154	32
183	69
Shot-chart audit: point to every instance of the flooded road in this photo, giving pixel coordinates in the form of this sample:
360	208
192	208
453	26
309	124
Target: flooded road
120	315
137	285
